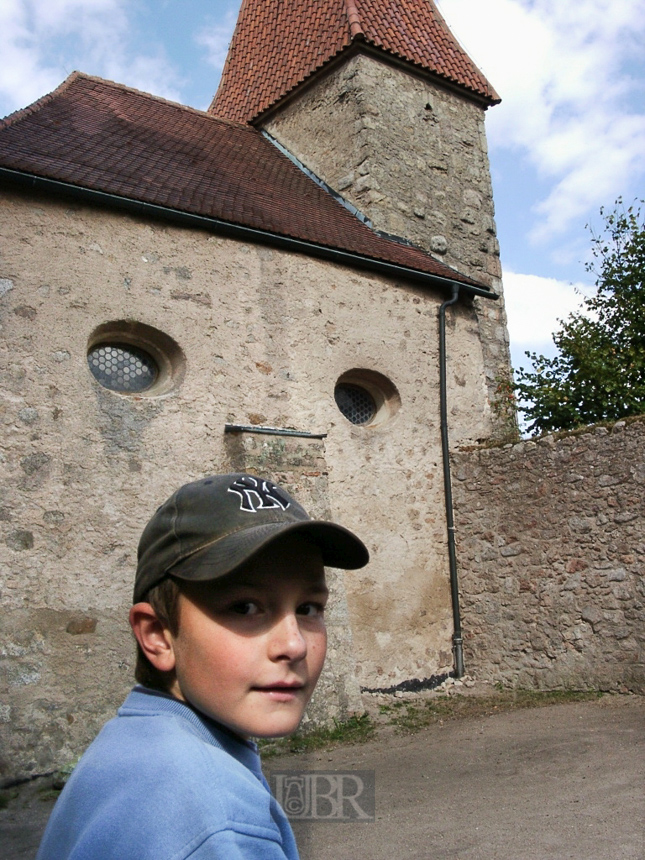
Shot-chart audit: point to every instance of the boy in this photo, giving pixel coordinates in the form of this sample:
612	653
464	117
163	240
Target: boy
228	615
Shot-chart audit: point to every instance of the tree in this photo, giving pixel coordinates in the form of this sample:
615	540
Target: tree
599	373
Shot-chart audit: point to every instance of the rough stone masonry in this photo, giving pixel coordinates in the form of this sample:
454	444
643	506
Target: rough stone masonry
551	543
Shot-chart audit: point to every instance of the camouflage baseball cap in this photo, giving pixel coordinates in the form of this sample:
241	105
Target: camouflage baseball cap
210	527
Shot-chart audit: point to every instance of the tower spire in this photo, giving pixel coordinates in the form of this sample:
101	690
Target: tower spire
280	44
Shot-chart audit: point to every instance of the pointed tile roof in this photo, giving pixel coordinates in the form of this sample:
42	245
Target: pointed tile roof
278	45
103	137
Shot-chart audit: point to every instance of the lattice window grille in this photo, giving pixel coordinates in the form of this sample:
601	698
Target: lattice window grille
355	403
121	367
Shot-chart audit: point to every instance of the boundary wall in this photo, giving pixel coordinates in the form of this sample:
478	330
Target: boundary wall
551	553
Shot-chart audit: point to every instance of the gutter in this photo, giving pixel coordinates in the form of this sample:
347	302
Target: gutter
457	639
236	231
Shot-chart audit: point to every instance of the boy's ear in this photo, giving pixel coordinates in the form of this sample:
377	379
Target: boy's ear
153	637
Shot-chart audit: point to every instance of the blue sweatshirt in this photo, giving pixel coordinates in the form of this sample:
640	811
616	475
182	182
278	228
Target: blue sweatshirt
162	781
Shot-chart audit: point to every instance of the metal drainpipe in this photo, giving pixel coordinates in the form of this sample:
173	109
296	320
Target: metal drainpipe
457	640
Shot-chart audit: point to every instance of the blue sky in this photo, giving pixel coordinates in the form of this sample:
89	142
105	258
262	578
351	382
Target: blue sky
568	138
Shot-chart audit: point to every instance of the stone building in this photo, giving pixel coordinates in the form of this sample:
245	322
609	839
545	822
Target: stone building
256	287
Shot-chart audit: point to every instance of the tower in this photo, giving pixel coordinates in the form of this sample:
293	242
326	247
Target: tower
380	101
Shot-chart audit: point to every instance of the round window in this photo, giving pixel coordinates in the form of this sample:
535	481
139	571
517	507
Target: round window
129	357
355	402
366	398
122	367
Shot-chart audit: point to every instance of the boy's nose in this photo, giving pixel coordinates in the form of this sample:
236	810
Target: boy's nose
287	641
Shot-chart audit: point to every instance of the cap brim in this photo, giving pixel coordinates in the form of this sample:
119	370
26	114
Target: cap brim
338	546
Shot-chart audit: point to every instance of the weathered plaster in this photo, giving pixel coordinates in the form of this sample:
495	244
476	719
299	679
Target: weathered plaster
265	335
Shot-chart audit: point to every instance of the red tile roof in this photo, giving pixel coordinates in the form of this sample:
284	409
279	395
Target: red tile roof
106	137
278	45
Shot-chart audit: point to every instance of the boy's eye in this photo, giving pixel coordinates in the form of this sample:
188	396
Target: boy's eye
245	607
311	609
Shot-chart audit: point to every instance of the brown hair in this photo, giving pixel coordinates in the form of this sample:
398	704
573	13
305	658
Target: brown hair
164	599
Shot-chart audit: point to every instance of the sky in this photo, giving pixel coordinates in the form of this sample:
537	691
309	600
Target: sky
567	139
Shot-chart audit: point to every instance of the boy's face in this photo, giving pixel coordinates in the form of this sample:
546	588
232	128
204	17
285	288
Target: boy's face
250	647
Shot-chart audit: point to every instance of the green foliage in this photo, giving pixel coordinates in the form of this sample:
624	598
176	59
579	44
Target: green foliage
354	730
599	373
417	715
504	406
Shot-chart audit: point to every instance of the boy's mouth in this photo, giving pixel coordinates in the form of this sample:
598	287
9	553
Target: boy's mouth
283	691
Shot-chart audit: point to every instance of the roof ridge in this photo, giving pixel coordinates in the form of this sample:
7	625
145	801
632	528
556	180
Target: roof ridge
229	57
129	89
354	20
17	115
443	24
76	76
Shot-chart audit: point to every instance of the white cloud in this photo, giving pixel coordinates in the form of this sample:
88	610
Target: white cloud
534	306
151	74
570	105
216	38
42	41
23	76
86	18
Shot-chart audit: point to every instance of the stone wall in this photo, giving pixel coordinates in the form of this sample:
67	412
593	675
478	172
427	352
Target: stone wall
412	156
260	338
551	549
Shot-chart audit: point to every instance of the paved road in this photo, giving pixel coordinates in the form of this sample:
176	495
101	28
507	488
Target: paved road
567	781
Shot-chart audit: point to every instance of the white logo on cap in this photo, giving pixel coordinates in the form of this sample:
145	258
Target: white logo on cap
258	495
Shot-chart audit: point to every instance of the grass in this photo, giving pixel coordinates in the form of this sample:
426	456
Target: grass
413	716
6	797
356	729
